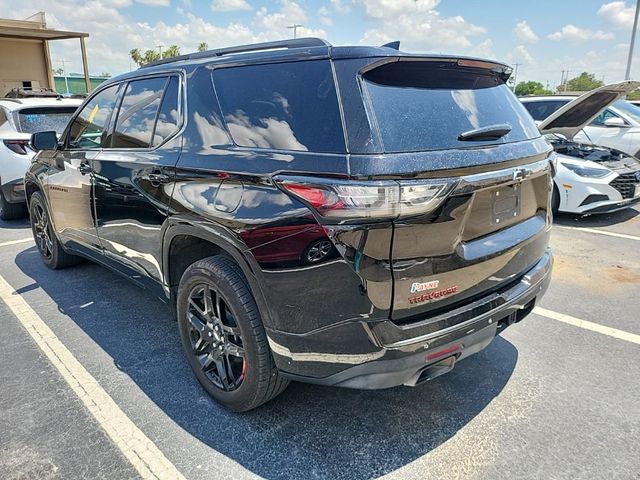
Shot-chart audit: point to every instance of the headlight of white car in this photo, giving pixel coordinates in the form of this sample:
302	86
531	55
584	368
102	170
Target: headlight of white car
584	171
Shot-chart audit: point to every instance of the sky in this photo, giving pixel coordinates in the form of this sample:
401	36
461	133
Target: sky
544	37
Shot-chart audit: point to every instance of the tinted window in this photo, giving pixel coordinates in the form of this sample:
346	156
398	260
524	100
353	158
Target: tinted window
288	106
33	120
168	116
543	109
88	127
426	106
138	112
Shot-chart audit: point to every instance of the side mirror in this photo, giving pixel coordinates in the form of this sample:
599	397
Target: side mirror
615	122
44	141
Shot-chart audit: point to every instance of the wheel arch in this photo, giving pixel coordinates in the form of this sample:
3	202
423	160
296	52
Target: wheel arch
187	241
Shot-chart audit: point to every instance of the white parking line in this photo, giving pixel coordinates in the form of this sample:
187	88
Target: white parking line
143	454
601	232
594	327
15	242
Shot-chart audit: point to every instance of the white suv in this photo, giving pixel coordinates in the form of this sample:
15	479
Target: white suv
19	118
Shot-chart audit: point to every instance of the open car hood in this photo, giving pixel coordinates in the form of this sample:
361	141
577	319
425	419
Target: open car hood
578	113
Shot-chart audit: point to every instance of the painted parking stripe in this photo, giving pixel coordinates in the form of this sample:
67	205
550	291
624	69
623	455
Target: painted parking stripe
601	232
594	327
16	242
143	454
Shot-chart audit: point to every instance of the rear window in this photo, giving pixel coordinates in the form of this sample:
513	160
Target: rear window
543	109
427	105
284	106
31	120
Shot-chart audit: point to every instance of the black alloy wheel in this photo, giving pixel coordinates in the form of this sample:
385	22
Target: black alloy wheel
223	336
42	232
216	340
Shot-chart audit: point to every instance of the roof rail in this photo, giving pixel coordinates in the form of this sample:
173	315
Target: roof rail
254	47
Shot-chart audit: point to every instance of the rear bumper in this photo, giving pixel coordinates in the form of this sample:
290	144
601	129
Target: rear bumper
407	354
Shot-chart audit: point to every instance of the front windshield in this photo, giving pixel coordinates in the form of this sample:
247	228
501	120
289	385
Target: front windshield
628	109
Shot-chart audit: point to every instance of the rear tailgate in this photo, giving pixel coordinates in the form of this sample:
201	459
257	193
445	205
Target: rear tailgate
429	119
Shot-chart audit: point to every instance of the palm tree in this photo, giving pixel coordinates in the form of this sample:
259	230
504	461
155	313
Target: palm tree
171	51
203	47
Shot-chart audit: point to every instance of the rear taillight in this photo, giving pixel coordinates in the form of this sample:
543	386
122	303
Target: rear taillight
17	146
339	200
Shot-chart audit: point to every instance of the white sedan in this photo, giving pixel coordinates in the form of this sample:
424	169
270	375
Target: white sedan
617	126
589	178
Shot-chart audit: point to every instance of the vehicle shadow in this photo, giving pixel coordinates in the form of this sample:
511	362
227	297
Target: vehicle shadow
308	431
14	224
590	221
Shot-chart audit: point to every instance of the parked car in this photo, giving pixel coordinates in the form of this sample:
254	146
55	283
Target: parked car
589	178
617	126
183	175
19	118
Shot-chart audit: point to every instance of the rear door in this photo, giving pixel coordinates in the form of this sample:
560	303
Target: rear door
453	130
134	176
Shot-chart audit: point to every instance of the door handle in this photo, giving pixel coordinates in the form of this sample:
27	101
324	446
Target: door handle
157	178
84	168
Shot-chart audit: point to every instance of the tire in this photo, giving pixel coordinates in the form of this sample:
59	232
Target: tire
11	211
215	333
48	245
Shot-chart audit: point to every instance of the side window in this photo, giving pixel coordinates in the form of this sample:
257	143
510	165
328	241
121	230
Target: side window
138	112
600	119
168	117
288	106
87	128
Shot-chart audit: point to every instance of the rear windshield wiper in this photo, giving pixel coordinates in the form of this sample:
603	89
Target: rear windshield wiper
491	132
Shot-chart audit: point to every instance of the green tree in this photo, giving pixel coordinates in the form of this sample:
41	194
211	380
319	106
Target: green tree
582	83
203	47
635	95
531	88
171	51
142	59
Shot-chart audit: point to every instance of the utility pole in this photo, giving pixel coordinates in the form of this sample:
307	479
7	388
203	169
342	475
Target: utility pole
627	75
566	80
64	72
515	74
295	27
159	47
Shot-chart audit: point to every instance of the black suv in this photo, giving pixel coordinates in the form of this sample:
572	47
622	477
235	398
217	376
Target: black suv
350	216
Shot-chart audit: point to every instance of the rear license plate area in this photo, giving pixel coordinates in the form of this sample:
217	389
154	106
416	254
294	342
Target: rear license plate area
505	203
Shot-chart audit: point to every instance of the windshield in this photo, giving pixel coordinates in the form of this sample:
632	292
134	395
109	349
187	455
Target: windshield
31	120
628	109
427	106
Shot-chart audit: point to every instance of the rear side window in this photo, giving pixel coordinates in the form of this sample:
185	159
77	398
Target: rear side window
284	106
427	105
138	113
87	128
33	120
168	116
543	109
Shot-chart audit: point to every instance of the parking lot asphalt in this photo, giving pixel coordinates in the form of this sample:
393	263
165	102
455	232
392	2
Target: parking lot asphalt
545	400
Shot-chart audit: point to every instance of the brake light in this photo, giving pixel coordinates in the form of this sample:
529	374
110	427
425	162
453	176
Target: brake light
17	146
340	200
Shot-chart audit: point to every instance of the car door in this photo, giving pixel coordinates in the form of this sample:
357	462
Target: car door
134	176
70	186
599	133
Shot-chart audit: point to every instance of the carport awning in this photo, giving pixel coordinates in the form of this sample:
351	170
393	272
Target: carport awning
38	33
